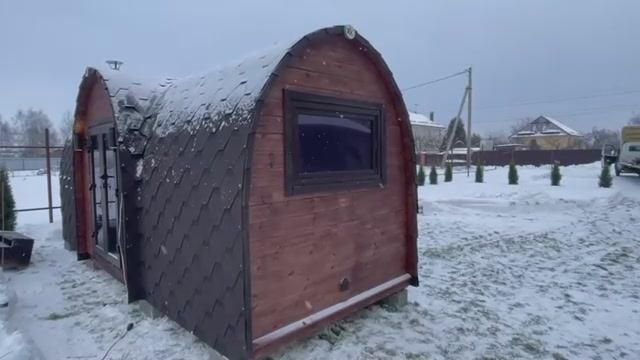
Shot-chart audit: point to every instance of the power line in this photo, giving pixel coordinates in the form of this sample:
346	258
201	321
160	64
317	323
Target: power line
608	109
551	101
436	80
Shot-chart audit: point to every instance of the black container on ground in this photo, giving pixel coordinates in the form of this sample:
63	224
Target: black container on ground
15	249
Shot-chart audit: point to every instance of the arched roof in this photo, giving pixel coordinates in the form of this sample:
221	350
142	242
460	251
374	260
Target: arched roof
219	97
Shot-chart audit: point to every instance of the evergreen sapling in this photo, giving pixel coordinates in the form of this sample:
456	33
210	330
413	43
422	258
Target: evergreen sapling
421	176
555	175
479	174
605	180
433	176
448	173
8	222
513	173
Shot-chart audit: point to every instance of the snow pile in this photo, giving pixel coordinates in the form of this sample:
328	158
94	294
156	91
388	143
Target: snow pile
13	345
30	191
71	310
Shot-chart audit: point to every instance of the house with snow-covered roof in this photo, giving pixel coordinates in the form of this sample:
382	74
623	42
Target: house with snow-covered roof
546	133
427	133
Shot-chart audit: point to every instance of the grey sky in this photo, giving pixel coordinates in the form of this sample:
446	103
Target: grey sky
521	51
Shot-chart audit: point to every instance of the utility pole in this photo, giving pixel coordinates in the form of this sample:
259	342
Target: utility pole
469	124
455	126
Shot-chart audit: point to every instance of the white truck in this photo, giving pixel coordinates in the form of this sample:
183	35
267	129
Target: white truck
626	158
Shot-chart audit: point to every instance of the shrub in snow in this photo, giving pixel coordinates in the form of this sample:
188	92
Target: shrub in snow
421	176
448	173
513	173
605	180
433	175
555	175
8	203
479	174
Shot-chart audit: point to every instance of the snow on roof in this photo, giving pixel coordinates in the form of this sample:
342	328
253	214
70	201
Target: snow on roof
422	120
203	100
560	125
532	131
551	131
126	92
463	150
216	98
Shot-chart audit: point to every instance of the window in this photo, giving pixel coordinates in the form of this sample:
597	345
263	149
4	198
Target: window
332	144
634	148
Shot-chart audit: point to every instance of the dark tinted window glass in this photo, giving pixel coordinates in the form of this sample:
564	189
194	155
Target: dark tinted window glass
335	143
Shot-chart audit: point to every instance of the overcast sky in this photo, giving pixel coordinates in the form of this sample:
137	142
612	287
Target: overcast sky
542	51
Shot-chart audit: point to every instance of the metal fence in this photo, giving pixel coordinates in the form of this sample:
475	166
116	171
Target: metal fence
47	148
519	157
28	163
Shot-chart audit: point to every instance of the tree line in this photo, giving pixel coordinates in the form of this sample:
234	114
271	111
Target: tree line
27	128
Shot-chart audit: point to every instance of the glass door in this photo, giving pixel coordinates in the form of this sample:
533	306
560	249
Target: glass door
104	189
96	190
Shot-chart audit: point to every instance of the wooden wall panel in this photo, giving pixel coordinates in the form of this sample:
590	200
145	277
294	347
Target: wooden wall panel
302	246
99	110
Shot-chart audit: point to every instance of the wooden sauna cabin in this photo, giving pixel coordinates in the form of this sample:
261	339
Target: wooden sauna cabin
254	203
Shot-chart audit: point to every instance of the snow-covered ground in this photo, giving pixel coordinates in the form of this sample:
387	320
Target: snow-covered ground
30	191
528	271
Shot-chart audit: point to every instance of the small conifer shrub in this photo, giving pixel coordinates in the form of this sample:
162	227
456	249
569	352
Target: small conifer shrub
433	176
448	173
555	175
605	180
479	174
513	173
421	176
8	203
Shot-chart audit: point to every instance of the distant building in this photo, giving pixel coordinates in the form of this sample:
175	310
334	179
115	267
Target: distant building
545	133
426	132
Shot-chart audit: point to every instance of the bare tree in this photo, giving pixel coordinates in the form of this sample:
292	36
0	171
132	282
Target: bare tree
520	124
476	139
635	120
66	126
597	138
496	138
6	133
31	125
428	141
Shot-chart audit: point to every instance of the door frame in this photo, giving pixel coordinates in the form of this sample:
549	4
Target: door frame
102	133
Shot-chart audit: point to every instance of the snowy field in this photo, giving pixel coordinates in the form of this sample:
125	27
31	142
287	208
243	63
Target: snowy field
507	272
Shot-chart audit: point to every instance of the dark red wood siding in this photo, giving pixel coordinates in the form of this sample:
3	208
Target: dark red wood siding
302	246
97	110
